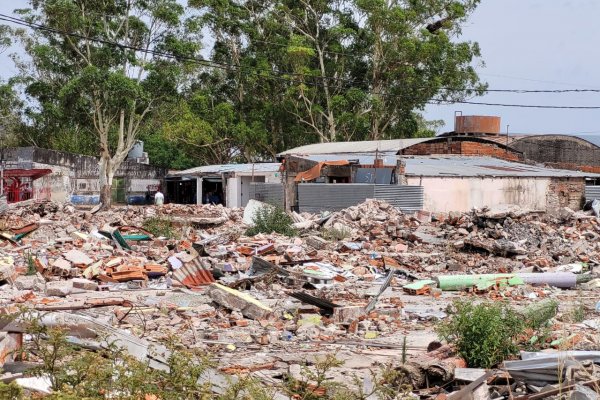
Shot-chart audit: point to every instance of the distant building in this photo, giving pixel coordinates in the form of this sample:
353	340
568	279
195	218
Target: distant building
41	173
438	174
576	152
232	185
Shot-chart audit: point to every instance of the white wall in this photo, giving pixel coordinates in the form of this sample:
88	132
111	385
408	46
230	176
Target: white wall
462	194
233	192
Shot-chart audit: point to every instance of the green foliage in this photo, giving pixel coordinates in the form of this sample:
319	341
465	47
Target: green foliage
11	391
484	334
271	219
110	372
159	226
278	75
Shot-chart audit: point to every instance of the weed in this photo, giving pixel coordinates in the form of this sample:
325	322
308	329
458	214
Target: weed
537	322
111	372
11	391
271	219
31	269
335	234
577	312
484	334
160	227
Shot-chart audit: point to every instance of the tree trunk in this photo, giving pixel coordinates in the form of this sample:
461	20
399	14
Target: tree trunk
105	182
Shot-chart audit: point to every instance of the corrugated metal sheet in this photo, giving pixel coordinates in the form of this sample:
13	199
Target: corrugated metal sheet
592	192
316	197
393	145
222	168
474	166
271	193
460	166
193	274
406	198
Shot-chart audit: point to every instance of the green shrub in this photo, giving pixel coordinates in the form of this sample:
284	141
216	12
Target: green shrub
272	219
484	334
159	227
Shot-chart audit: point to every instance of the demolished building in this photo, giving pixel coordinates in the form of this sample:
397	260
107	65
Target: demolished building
62	176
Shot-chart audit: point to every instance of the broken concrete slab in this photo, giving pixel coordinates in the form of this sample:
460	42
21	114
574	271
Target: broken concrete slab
7	268
85	284
78	258
345	315
238	301
59	288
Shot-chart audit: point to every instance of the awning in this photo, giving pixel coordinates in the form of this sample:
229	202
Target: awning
26	173
315	171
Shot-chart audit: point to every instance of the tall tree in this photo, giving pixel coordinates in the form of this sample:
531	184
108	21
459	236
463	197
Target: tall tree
99	66
413	57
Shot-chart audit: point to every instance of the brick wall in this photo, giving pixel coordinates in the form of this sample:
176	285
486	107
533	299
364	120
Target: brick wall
595	169
565	192
464	148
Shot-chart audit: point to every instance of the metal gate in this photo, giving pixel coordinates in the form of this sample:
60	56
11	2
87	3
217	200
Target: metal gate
316	197
592	192
271	193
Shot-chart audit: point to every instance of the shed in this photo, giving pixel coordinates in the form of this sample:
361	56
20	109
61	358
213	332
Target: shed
227	184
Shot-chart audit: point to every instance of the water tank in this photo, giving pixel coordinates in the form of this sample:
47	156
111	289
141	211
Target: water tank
470	124
137	151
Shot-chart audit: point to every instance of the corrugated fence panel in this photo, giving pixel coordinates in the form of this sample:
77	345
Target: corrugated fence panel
406	198
315	197
592	192
271	193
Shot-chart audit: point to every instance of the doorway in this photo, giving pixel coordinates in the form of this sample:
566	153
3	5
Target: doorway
212	191
118	190
181	191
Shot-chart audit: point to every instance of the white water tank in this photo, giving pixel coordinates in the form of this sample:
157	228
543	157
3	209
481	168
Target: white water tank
137	151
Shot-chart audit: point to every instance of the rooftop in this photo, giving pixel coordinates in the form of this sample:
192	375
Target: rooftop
475	166
223	168
370	146
457	165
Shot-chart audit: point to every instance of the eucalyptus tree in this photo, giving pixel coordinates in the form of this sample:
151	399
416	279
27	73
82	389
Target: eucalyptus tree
103	67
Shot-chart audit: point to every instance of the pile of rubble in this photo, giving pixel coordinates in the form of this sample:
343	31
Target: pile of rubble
369	281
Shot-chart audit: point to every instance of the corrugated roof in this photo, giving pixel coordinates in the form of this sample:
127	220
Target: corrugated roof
389	158
370	146
460	166
222	168
449	165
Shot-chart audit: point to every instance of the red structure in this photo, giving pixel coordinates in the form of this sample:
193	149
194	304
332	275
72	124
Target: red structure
18	184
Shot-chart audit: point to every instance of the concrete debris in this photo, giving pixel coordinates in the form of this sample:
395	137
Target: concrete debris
59	288
238	301
368	282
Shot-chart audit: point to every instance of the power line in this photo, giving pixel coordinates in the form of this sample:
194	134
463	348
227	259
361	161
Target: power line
438	101
260	73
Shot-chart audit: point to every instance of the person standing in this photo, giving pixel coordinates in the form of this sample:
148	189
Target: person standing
159	198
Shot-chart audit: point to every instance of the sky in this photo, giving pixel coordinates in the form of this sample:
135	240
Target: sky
525	44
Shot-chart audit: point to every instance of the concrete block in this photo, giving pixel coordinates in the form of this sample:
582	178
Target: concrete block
78	258
85	284
30	282
59	288
7	268
316	242
62	266
345	315
238	301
